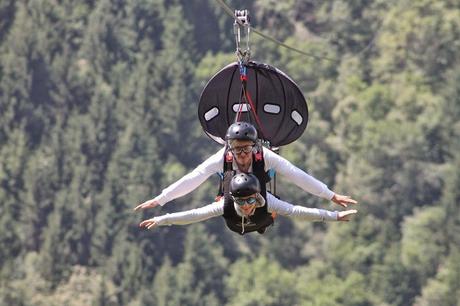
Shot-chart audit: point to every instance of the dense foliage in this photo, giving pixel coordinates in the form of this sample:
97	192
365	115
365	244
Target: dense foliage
98	102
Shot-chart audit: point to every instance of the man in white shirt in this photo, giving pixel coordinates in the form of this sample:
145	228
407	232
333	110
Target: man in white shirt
242	154
247	211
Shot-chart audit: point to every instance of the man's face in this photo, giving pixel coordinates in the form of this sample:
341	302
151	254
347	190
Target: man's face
242	150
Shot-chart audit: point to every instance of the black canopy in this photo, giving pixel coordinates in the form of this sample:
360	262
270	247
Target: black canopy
278	102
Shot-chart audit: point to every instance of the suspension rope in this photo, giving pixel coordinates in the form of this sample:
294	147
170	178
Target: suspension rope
253	109
242	22
246	98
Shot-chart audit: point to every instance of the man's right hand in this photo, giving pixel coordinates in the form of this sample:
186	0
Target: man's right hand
147	204
149	223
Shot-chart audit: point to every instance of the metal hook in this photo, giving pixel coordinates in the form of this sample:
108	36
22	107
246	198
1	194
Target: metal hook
242	20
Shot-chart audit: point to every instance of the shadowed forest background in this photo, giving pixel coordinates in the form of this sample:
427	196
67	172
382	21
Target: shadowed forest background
98	113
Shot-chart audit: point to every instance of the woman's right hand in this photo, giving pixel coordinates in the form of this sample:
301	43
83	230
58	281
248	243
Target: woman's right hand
346	215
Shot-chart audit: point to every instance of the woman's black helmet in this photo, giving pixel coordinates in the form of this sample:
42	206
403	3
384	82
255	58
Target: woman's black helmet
243	185
241	131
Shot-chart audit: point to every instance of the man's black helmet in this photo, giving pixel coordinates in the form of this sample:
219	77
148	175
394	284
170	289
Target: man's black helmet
243	185
241	131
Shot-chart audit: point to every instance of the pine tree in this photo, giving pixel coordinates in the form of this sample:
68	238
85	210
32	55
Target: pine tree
198	279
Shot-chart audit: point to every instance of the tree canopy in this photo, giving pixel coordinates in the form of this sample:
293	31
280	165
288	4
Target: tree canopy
98	112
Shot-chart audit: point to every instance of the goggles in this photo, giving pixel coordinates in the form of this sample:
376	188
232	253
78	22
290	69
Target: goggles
241	201
245	149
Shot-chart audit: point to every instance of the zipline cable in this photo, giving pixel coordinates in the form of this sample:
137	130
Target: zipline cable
230	12
385	20
407	5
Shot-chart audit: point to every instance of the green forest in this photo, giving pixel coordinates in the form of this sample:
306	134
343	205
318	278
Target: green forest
98	113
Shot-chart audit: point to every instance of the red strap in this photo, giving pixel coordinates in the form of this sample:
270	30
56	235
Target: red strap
240	110
248	97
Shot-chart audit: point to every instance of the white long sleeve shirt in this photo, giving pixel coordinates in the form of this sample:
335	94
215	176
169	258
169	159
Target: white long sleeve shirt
273	205
215	163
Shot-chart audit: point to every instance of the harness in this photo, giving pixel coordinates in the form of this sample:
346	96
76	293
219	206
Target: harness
261	218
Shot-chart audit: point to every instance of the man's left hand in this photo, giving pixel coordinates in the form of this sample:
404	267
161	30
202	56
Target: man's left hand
343	200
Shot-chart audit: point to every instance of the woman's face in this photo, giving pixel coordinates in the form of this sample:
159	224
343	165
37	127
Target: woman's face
248	209
249	204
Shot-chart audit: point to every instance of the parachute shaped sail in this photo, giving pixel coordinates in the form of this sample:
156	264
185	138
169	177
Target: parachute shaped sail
279	104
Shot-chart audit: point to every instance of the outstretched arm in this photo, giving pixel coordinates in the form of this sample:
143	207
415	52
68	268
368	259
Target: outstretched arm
303	179
311	214
186	217
187	183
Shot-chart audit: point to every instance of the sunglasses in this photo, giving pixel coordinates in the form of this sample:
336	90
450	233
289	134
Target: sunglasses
245	149
241	202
